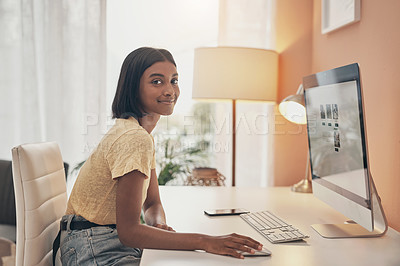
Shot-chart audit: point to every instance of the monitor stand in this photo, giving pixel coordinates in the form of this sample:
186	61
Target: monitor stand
348	230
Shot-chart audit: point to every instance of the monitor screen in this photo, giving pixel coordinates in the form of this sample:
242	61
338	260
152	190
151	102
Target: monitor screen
337	142
337	153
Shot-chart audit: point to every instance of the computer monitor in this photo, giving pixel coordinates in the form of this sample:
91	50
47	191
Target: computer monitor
338	152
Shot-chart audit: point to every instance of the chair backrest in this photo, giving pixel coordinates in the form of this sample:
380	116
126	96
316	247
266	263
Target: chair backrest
40	198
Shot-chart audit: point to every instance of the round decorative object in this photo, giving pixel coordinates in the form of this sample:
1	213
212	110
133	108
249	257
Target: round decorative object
205	176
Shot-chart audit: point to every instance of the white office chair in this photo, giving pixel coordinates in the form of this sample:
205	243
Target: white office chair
40	199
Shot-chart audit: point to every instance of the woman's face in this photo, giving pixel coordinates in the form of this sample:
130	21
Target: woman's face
159	88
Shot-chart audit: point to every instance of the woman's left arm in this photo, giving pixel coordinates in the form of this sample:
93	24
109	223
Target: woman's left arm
153	210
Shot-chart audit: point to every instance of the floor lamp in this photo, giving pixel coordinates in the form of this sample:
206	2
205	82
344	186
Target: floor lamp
235	73
293	109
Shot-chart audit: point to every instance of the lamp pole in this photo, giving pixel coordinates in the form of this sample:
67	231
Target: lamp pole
233	142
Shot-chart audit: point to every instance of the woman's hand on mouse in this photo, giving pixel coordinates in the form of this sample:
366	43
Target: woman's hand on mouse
231	245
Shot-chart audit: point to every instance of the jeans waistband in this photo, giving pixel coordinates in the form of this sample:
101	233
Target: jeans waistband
80	224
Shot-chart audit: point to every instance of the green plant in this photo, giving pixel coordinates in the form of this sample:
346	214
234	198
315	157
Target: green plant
178	162
186	149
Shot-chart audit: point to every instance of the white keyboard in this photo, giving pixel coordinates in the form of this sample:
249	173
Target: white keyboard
273	228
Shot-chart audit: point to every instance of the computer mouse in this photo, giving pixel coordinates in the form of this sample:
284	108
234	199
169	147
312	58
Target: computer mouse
257	253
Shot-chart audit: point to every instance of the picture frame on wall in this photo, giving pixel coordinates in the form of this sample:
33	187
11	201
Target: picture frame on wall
336	14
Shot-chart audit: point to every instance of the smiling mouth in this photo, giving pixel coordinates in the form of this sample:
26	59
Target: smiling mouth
171	101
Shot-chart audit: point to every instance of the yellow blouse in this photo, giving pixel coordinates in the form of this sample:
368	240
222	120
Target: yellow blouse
126	147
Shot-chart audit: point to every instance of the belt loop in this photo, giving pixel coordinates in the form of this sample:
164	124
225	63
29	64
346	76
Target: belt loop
69	220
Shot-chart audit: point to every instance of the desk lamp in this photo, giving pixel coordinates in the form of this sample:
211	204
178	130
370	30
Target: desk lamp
293	109
235	73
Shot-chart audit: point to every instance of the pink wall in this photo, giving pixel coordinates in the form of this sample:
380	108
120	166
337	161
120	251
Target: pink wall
293	42
374	43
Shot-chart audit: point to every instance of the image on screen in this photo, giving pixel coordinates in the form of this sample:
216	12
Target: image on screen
335	139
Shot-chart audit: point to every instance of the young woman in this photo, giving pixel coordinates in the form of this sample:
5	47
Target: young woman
102	222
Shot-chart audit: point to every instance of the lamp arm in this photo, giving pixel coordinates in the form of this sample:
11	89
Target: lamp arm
300	90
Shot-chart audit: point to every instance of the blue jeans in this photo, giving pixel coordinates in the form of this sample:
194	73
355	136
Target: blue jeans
98	245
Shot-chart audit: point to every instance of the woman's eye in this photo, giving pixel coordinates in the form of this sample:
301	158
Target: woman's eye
156	82
174	82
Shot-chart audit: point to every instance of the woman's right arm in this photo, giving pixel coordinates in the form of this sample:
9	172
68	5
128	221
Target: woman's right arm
132	233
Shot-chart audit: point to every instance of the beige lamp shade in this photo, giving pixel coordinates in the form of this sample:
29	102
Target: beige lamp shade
235	73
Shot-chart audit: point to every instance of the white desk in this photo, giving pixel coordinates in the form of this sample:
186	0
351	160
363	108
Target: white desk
184	209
